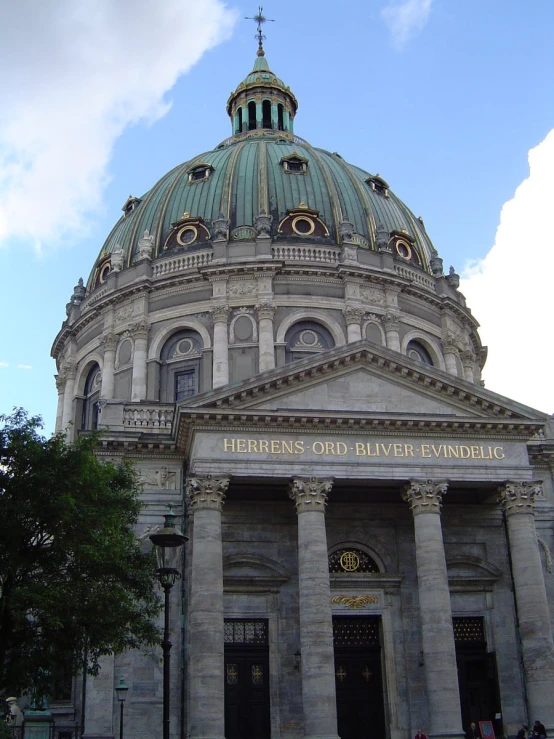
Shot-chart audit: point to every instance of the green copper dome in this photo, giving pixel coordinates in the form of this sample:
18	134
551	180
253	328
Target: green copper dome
264	169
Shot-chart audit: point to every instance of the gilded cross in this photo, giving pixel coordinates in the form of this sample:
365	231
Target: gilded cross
260	19
341	673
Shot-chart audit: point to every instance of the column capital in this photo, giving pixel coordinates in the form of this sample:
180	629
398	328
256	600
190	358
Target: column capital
468	357
139	330
425	496
353	314
69	369
392	321
519	497
220	313
60	382
207	492
265	309
310	493
109	341
450	343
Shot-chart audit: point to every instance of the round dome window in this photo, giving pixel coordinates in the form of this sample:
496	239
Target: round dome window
187	235
403	250
303	226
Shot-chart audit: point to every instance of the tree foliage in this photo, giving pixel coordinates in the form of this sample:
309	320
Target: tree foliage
73	579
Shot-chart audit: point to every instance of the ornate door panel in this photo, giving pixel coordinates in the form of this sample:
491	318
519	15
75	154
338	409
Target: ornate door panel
247	713
358	677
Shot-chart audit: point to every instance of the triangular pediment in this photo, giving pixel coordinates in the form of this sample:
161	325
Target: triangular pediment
364	378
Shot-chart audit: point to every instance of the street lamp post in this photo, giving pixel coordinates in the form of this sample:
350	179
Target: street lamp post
121	691
167	538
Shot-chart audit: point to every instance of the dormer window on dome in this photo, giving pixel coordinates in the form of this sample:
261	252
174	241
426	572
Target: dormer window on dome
188	233
200	172
294	164
303	221
130	204
378	185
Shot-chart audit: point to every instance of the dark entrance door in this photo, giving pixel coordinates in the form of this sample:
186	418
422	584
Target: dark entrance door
358	678
246	681
477	678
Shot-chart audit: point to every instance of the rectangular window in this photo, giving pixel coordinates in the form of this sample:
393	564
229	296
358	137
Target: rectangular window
185	385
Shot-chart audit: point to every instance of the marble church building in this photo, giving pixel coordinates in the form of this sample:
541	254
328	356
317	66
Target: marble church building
270	335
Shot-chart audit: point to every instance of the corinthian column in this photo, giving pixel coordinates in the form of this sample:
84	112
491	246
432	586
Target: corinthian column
107	389
69	371
437	634
316	626
221	346
266	312
392	326
451	352
353	318
468	363
59	411
535	631
207	716
139	332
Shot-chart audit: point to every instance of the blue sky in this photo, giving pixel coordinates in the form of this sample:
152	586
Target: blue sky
451	102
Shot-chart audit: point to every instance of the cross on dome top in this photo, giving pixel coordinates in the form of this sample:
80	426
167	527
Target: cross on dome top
260	19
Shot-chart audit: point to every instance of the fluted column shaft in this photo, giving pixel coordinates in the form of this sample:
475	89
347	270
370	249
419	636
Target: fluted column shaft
266	340
316	626
221	347
138	381
205	623
437	634
518	502
108	379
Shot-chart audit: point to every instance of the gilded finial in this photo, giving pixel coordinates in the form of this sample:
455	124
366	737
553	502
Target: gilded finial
260	19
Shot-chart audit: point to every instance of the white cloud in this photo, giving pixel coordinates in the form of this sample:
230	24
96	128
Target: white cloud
510	290
4	364
75	74
24	366
405	19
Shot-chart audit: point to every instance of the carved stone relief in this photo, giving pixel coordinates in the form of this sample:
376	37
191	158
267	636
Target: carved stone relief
161	478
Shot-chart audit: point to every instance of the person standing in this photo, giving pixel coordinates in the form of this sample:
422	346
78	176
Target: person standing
420	735
539	732
473	732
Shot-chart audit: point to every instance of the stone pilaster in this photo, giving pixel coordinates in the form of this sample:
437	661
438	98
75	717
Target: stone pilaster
353	317
265	312
392	331
68	373
60	384
107	389
316	627
139	332
518	502
206	647
221	346
437	635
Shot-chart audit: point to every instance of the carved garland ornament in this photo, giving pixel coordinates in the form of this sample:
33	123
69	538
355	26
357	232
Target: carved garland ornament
425	496
207	492
354	601
310	493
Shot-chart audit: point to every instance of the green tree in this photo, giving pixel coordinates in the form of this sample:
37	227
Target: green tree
73	578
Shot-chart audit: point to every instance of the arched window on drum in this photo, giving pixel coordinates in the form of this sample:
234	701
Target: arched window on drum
416	351
305	339
91	399
181	367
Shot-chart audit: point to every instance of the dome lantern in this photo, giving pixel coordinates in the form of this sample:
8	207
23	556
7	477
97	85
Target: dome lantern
261	101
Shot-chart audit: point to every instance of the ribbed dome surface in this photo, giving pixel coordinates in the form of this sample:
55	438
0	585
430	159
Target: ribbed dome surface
248	178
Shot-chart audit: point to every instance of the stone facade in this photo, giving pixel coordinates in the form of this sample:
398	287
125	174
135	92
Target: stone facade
358	506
